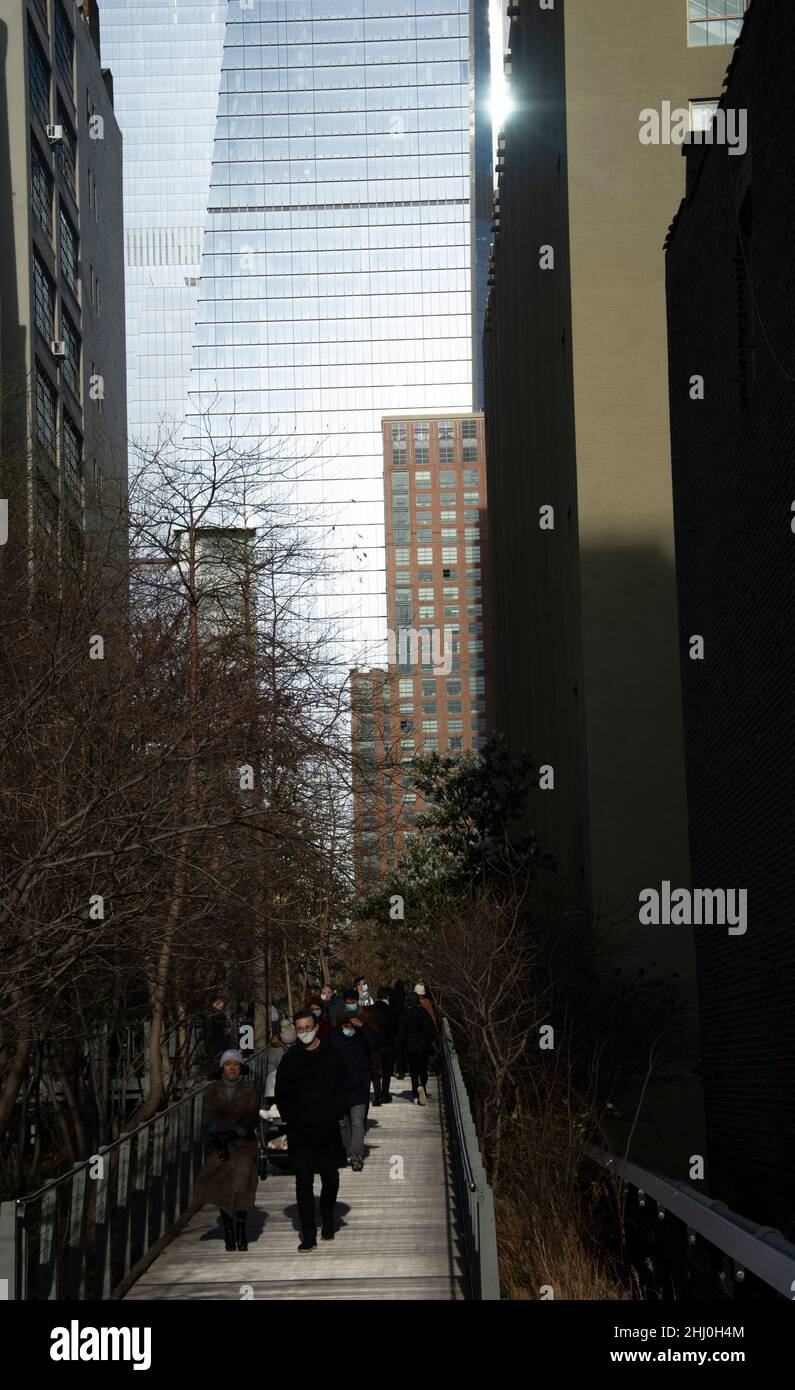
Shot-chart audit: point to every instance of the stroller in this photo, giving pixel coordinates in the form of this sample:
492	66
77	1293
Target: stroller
272	1137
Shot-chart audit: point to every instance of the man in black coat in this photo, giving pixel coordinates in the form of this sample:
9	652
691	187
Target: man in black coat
312	1097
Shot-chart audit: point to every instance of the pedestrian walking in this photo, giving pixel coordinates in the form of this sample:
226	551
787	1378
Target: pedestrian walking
280	1042
312	1098
418	1034
229	1177
366	1000
324	1024
421	992
331	1000
384	1016
354	1040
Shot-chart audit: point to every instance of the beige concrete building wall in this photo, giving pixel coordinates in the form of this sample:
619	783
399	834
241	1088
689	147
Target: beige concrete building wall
622	57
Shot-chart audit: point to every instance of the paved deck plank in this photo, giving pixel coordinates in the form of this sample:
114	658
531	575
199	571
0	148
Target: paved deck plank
397	1238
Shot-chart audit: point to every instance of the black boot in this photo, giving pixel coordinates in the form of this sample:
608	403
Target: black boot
240	1230
229	1231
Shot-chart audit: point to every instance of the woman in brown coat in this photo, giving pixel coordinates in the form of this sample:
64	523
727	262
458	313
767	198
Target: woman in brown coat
229	1177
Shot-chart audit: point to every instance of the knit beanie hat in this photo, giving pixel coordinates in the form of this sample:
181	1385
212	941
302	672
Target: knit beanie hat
230	1056
287	1032
419	989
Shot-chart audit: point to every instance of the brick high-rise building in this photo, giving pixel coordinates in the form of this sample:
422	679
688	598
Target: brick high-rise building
731	321
435	694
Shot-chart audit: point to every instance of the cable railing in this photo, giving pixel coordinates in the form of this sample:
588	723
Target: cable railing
475	1197
88	1233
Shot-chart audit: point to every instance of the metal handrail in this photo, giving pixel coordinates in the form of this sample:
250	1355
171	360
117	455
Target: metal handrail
475	1197
84	1233
760	1249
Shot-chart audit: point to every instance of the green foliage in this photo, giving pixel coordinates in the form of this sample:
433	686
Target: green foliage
470	839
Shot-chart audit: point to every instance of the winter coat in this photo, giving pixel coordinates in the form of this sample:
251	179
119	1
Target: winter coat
312	1096
398	996
416	1029
230	1183
355	1053
386	1019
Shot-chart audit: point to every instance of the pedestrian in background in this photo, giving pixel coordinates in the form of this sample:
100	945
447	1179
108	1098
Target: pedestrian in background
284	1038
418	1033
332	1001
354	1040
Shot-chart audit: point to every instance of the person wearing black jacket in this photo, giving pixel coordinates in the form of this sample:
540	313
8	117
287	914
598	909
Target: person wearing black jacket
418	1033
312	1098
387	1028
353	1039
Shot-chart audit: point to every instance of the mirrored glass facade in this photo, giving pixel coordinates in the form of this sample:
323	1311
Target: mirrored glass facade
165	56
336	280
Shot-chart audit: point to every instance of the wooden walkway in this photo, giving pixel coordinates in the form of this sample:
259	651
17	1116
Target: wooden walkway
397	1238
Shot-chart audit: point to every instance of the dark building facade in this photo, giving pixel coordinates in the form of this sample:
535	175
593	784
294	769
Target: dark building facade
586	672
731	321
64	417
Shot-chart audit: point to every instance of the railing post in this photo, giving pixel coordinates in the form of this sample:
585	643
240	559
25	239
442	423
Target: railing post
489	1262
9	1249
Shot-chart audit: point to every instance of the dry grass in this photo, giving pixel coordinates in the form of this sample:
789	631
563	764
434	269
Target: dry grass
539	1251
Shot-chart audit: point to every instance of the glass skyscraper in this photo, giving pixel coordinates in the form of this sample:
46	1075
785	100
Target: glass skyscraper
337	276
165	56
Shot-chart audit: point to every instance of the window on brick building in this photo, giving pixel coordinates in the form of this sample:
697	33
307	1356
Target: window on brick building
40	191
43	300
38	79
67	151
64	46
44	413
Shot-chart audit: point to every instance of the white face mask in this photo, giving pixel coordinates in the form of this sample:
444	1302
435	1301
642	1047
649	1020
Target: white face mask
308	1037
